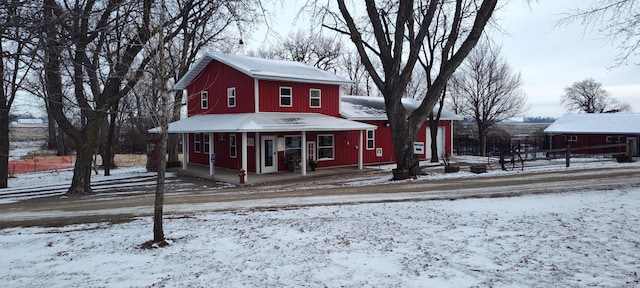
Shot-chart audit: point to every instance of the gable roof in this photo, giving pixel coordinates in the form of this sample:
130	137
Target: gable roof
596	123
264	69
263	122
373	108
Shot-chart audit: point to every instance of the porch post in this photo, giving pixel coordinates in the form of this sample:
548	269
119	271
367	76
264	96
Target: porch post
244	156
256	143
303	153
360	150
211	152
185	150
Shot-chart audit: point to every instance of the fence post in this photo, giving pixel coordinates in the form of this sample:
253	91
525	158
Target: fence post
567	156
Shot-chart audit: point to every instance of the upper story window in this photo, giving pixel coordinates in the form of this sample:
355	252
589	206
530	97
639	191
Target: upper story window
314	98
231	97
370	139
572	138
204	100
285	97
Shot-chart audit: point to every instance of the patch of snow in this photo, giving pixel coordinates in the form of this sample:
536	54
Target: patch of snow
561	240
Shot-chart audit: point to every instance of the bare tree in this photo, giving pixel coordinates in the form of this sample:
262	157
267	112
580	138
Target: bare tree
486	90
393	33
307	47
589	96
617	19
15	19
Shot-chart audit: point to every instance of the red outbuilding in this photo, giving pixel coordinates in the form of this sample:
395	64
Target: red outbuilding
266	116
596	129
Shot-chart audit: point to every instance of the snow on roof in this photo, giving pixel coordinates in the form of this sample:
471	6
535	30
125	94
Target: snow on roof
373	108
600	123
266	69
263	122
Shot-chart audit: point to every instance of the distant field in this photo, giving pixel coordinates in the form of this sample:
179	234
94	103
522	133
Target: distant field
27	133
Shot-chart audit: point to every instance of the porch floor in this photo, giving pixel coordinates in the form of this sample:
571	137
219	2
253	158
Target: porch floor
231	176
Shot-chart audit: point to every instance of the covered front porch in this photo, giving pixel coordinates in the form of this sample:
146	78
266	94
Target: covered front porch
259	141
231	176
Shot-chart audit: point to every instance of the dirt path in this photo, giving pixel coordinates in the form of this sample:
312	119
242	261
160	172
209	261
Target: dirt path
333	190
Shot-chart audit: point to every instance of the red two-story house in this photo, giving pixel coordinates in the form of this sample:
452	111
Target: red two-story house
264	115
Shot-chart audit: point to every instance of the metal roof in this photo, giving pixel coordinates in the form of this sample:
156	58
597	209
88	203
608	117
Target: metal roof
264	69
596	123
373	108
263	122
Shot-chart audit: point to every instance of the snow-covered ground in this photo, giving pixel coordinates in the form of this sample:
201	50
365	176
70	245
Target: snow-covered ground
582	239
585	239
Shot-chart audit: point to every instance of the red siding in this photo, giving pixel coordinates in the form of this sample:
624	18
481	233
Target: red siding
215	79
586	140
270	97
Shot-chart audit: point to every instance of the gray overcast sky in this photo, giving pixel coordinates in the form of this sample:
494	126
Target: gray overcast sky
549	58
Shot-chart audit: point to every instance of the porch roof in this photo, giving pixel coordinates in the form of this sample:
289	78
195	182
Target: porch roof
263	122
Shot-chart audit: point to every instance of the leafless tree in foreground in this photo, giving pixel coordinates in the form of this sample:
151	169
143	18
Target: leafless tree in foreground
393	33
16	18
486	90
588	96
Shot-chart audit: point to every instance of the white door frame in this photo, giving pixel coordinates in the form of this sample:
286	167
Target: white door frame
274	153
439	140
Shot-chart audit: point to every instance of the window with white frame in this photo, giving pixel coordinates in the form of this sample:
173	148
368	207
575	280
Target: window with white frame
204	100
196	142
572	138
370	139
205	143
314	98
286	99
325	147
231	97
292	147
233	148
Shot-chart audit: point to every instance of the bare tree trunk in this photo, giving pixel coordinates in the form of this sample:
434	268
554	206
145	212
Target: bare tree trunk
482	142
52	139
433	133
81	181
4	143
108	157
4	132
158	230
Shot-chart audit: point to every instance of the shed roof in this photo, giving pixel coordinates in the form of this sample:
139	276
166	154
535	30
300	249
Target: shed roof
373	108
266	69
600	123
263	122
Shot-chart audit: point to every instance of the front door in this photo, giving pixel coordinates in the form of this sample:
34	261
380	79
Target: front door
269	154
